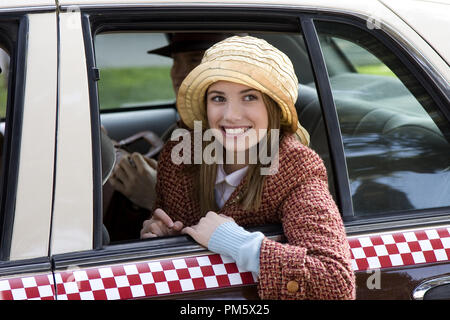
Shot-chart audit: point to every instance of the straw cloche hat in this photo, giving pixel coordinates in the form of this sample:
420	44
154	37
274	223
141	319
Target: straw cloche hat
249	61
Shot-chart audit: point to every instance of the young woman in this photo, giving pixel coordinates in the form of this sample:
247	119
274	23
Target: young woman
245	91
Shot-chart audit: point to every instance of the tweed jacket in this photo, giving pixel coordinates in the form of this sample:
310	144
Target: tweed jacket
316	255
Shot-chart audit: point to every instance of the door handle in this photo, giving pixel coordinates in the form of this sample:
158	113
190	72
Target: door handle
432	285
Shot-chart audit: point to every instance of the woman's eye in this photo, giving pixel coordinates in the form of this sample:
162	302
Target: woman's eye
250	97
217	99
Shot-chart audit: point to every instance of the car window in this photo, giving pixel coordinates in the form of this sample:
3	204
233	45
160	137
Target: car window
130	76
396	141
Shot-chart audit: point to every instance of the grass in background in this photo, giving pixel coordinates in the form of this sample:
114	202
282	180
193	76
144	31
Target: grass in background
140	85
377	69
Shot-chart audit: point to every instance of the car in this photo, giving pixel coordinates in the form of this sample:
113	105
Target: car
374	95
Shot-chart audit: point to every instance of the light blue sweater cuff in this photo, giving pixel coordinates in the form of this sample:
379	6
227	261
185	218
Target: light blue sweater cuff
232	240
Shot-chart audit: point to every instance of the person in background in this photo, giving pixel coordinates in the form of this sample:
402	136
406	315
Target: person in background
134	176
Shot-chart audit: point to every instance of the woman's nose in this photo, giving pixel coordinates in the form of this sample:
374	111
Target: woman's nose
232	112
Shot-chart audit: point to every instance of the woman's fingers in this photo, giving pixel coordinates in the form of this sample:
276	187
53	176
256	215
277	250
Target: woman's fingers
161	215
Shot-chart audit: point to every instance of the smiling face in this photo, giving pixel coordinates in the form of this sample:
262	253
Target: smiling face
238	113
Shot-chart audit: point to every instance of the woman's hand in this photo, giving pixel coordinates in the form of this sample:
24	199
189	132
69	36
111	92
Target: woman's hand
203	231
135	177
160	225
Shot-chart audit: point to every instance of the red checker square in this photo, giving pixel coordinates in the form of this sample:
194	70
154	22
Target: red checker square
247	278
93	274
407	258
6	295
207	271
215	259
376	240
231	268
354	243
125	293
174	286
32	292
159	276
398	237
84	286
392	248
143	268
436	244
150	289
99	295
109	283
223	280
167	265
48	298
134	279
118	271
199	283
183	273
421	235
385	261
414	246
16	283
362	264
42	280
443	233
429	256
60	289
191	262
447	251
74	296
370	251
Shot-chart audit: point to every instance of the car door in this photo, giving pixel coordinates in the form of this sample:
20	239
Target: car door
28	53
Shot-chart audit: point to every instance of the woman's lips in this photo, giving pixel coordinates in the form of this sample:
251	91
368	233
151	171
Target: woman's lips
235	131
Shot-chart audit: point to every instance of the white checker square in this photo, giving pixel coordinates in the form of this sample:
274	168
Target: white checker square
440	254
146	278
358	253
137	291
45	291
373	262
388	239
122	281
365	242
155	266
195	272
396	260
203	261
410	236
235	278
80	275
418	257
96	284
29	282
432	234
4	285
71	287
171	275
354	265
19	294
446	242
179	264
219	269
106	273
112	293
162	287
130	269
87	295
211	282
403	247
381	250
425	245
187	284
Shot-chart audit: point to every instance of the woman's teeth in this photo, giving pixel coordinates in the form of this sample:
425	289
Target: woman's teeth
235	130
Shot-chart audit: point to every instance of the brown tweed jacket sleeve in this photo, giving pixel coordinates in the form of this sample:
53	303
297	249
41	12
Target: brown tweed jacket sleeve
316	257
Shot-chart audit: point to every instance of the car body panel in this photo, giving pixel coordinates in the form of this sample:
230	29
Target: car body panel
35	183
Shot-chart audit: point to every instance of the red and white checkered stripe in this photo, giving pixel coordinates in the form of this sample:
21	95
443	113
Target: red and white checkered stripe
400	248
154	278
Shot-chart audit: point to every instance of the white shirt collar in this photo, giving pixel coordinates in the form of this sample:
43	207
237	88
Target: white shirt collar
233	179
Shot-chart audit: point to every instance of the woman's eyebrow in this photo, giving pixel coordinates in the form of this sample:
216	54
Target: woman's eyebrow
247	90
214	91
